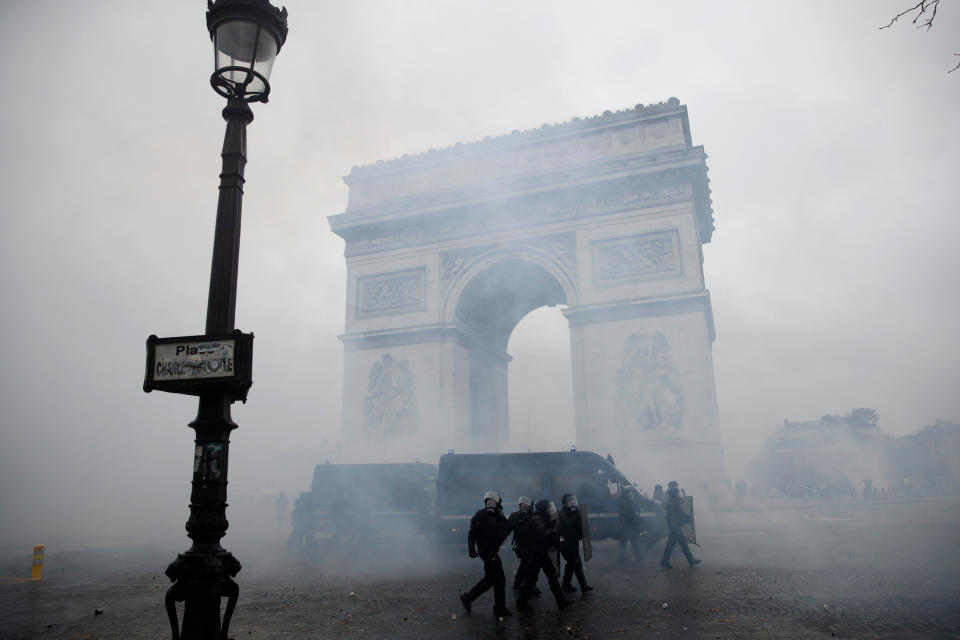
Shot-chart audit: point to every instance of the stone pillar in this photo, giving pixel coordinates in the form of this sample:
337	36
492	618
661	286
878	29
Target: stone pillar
489	407
644	389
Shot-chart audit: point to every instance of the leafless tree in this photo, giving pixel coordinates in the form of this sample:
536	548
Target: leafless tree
924	13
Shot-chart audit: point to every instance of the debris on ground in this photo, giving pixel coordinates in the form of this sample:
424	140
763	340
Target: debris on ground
664	605
97	612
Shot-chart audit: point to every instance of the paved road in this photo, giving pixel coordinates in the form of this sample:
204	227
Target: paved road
880	571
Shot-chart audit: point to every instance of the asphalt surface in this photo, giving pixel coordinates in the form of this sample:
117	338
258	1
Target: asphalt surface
864	571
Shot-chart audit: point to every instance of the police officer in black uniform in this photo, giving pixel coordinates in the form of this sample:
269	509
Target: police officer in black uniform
541	537
337	513
517	520
676	518
629	524
488	529
302	536
571	533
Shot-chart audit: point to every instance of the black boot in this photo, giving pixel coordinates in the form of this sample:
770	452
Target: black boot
582	579
465	601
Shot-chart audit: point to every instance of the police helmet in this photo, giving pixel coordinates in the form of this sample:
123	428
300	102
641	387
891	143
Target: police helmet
545	507
524	502
568	500
673	484
493	495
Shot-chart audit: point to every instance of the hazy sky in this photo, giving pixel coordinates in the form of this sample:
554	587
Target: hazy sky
833	157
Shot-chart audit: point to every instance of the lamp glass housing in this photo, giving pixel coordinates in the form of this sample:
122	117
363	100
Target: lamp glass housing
244	45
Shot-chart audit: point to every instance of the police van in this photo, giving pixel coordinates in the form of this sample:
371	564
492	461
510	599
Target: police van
462	480
360	501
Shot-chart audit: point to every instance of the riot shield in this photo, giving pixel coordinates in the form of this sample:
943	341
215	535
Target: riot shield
688	529
585	526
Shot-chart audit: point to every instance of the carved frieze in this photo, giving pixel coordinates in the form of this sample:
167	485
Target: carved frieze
392	293
561	246
649	394
649	255
540	208
453	262
390	406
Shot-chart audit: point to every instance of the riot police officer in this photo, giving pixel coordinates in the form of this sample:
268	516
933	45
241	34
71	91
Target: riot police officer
517	520
488	529
676	518
571	533
541	537
303	533
629	523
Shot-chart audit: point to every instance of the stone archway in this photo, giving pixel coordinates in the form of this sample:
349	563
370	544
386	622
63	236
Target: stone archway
490	304
448	250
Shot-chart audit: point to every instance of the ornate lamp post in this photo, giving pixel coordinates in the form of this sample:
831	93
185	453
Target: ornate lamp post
247	35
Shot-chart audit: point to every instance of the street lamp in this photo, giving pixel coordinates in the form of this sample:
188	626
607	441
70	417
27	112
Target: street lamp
216	367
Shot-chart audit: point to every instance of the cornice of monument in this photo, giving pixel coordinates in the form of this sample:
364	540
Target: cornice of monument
518	185
418	199
679	184
618	311
430	333
518	138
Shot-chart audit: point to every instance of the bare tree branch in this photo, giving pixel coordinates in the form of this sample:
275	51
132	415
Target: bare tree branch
926	13
921	9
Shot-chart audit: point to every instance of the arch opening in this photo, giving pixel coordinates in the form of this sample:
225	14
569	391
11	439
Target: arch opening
496	299
489	308
541	383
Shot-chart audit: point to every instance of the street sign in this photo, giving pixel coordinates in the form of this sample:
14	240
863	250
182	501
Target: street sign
194	364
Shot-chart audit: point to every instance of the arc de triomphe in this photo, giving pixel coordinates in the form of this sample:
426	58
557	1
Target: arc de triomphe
448	250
